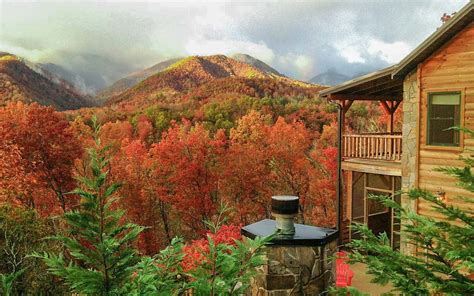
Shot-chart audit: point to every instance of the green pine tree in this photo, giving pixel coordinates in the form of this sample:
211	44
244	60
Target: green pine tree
444	261
99	256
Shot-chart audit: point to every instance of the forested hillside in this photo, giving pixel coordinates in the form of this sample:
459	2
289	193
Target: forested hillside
204	133
18	82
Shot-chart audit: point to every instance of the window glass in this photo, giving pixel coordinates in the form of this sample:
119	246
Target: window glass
443	113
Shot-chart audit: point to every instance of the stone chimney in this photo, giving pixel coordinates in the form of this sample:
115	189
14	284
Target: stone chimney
298	260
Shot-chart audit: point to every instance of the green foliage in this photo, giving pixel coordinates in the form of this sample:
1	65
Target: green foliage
21	233
99	255
445	257
228	269
178	64
7	280
99	258
160	275
224	269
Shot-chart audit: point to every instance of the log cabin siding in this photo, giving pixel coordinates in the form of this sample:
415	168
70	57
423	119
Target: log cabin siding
451	68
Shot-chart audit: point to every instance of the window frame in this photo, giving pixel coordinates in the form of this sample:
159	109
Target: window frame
429	96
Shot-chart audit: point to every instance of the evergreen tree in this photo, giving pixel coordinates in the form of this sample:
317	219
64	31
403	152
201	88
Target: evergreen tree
444	259
98	257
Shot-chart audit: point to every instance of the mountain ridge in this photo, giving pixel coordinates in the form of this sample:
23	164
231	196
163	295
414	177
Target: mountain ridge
19	82
136	77
192	72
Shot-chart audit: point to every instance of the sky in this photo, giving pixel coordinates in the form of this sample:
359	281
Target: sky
102	41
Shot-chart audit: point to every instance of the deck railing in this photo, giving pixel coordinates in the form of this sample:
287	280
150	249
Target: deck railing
372	146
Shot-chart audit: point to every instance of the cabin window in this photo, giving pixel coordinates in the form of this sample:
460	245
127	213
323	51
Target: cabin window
444	112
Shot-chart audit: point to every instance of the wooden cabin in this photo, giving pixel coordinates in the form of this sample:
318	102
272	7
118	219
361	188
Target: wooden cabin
434	85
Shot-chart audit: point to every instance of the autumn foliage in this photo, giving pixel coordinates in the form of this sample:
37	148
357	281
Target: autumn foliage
234	140
37	150
175	178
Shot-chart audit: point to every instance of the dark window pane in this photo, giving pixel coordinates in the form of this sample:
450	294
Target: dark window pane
444	113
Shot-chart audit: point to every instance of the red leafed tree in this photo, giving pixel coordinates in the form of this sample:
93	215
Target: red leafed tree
45	149
288	145
112	133
144	128
323	187
265	160
131	166
188	162
13	177
194	252
247	173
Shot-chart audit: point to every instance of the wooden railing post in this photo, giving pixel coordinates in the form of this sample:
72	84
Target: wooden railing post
372	146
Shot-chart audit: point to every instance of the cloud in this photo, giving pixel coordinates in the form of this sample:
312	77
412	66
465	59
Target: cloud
202	46
352	53
389	52
103	41
367	49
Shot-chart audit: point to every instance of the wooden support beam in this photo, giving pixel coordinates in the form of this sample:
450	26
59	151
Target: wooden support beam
346	104
390	107
397	103
386	107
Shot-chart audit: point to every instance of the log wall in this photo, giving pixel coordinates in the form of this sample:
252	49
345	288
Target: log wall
451	68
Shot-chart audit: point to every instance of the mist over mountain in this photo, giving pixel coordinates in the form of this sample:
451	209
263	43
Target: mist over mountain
330	77
248	59
20	82
130	80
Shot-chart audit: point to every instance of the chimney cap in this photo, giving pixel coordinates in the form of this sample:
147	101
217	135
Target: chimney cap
285	197
285	204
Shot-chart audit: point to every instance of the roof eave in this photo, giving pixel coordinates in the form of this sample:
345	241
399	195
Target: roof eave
359	80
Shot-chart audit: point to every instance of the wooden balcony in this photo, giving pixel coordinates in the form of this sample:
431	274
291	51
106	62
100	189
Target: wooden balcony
386	147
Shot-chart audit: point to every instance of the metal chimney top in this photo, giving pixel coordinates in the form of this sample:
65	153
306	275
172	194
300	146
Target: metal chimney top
305	235
284	209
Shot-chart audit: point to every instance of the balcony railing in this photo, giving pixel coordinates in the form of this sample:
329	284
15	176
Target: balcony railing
372	146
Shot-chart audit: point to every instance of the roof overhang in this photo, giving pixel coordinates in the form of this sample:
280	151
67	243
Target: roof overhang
446	32
376	86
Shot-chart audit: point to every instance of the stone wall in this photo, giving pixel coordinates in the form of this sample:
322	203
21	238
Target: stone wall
296	270
409	160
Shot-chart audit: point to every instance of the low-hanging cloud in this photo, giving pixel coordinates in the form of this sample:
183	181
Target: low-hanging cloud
103	41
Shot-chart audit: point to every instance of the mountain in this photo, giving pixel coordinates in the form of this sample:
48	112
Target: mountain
133	78
192	72
330	77
19	82
60	75
245	58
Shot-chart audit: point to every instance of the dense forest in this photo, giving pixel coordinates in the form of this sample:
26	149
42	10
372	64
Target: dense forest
180	157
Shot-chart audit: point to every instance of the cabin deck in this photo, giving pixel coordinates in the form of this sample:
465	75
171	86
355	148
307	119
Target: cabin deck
372	166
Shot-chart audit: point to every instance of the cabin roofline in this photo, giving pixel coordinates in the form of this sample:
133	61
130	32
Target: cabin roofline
386	72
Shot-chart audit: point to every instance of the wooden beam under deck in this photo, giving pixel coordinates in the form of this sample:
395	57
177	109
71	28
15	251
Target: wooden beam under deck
390	168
